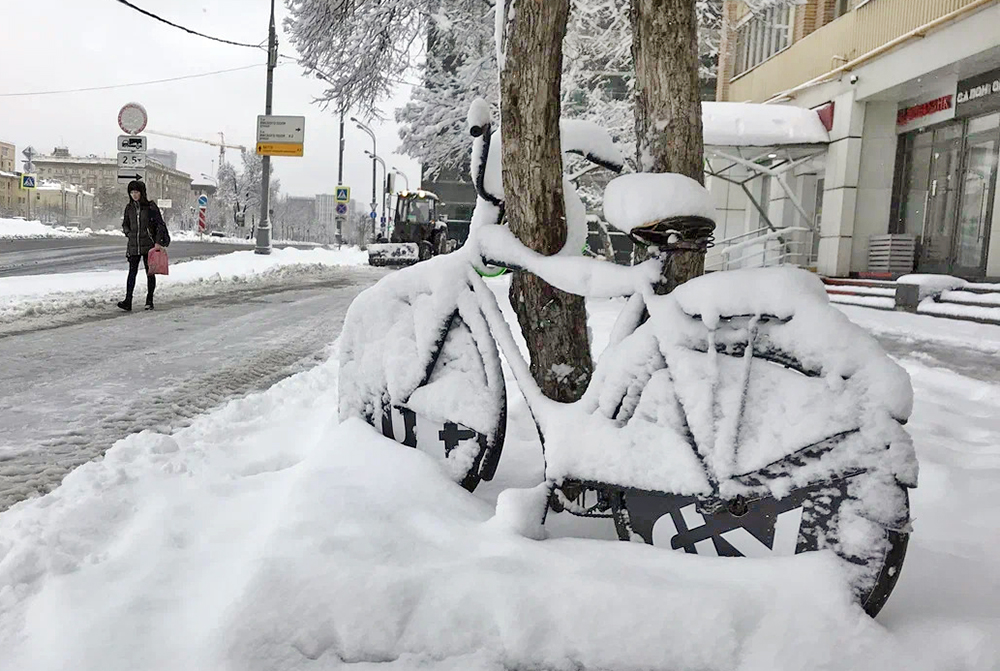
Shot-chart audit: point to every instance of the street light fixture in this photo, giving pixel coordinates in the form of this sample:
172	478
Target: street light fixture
385	180
374	151
406	180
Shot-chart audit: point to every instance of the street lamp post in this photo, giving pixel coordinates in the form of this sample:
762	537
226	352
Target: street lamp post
385	181
374	151
406	180
264	227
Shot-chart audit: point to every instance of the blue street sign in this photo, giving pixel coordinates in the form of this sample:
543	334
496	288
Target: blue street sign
373	215
203	200
343	194
28	182
383	221
341	208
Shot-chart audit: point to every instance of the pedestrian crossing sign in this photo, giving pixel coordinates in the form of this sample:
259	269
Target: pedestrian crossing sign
343	194
28	181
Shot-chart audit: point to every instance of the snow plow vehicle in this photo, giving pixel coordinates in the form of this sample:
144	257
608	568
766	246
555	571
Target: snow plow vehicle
417	235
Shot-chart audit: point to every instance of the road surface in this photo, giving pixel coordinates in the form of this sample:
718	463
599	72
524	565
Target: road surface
38	256
70	391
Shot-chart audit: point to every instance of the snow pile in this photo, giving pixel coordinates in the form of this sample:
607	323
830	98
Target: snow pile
18	229
265	536
194	236
590	141
756	125
931	285
33	295
635	200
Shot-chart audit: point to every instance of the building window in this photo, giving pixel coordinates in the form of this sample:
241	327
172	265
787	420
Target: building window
763	35
841	7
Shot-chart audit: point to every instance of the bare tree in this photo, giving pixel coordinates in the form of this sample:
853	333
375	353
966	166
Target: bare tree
668	107
554	323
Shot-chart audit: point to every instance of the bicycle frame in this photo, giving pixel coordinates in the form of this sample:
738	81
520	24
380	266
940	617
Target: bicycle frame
738	478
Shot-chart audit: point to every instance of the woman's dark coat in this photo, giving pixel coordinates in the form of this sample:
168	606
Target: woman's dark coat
143	226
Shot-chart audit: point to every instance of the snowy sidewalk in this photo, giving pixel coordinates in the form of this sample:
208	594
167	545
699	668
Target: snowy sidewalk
53	296
266	535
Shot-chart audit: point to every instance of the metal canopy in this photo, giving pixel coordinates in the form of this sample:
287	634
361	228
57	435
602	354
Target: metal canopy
780	159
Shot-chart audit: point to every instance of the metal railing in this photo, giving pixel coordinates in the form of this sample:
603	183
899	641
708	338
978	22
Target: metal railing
764	248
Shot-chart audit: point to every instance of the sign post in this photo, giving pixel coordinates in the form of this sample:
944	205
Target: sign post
132	119
29	169
343	198
202	216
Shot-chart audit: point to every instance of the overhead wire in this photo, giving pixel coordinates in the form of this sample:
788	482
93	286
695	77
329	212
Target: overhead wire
188	30
119	86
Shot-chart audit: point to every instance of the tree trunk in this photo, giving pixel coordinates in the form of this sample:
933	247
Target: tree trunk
668	106
554	323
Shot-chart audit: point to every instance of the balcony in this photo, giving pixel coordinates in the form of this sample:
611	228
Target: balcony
867	27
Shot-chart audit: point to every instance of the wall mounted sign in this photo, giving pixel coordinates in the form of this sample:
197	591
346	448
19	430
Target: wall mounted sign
908	115
978	94
933	105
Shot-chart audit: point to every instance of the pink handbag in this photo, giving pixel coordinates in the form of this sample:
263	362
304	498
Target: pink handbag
158	262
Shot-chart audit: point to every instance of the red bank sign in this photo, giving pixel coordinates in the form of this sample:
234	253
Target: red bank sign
910	114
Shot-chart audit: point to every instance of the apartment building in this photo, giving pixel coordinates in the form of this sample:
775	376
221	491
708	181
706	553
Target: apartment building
63	204
12	198
100	175
911	91
8	157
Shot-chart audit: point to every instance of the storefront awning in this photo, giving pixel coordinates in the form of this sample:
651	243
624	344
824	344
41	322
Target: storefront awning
758	125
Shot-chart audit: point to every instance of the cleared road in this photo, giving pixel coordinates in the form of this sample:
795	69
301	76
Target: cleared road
39	256
71	391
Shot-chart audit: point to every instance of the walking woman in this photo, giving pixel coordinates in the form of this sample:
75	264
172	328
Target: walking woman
144	227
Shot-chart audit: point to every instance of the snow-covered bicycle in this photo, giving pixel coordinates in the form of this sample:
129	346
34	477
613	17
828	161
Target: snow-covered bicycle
739	415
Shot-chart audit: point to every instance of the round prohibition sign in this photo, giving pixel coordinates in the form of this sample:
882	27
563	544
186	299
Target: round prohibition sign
132	118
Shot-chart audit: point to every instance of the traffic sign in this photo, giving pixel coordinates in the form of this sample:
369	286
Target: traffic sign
203	200
373	215
29	152
202	223
131	143
280	135
280	149
132	118
28	181
165	203
128	160
290	129
127	175
343	194
341	208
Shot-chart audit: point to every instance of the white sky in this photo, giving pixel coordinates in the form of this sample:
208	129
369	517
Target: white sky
64	44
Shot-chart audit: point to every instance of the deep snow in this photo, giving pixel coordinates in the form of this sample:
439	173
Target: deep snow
16	229
266	535
75	295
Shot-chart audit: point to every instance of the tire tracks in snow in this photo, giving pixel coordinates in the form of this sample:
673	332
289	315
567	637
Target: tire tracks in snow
296	325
